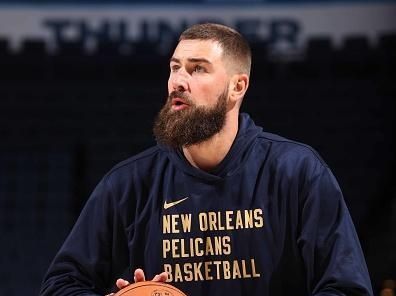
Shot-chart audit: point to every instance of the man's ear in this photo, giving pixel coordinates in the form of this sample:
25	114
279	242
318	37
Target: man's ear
238	86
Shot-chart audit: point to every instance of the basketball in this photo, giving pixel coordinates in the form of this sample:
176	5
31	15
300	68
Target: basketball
150	288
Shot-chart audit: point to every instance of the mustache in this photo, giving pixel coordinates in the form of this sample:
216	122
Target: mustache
180	95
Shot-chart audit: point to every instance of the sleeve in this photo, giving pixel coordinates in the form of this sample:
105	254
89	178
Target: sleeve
332	255
94	253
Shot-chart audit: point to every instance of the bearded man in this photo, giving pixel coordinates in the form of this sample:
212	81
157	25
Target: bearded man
218	207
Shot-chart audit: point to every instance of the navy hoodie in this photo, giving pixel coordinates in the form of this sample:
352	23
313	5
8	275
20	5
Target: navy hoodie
269	220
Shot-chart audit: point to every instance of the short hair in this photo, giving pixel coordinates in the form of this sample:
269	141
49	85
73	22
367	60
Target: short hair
232	42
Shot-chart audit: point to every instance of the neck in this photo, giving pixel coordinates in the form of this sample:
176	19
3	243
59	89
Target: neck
207	155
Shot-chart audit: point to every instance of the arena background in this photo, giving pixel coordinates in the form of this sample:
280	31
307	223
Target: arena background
81	82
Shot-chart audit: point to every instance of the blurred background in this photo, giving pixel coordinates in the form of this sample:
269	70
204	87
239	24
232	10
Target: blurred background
81	82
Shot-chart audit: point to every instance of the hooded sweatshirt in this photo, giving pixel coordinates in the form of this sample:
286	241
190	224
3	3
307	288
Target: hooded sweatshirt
269	220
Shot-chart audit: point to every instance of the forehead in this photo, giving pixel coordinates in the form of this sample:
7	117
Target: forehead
208	49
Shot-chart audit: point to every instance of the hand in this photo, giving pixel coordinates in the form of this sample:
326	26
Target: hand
140	277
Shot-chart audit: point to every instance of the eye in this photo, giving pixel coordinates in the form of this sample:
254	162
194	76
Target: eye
174	67
199	69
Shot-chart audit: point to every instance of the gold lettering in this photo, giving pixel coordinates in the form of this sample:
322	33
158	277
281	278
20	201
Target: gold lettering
218	245
166	224
229	215
203	221
197	271
226	245
175	223
227	270
208	277
238	220
253	263
212	221
170	223
199	249
220	225
187	270
212	270
175	247
236	272
228	220
186	222
168	269
166	246
245	274
196	247
183	252
258	217
217	263
248	219
192	249
209	246
178	273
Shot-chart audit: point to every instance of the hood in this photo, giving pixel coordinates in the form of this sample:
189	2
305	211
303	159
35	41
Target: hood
234	160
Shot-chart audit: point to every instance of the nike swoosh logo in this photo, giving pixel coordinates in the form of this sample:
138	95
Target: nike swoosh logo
171	204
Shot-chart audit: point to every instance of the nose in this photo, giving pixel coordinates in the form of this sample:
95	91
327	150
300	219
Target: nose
179	80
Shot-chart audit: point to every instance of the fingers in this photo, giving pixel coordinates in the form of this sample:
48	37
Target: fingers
121	283
162	277
139	275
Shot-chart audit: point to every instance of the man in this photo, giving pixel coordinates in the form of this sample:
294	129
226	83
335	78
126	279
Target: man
218	207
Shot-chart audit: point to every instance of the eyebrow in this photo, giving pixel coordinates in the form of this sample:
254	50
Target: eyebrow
193	60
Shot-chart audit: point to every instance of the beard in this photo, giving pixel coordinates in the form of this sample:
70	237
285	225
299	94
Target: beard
191	125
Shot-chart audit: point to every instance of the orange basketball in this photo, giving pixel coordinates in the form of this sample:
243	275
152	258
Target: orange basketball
150	289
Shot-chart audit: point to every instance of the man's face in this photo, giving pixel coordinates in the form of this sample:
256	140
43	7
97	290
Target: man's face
198	94
197	69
